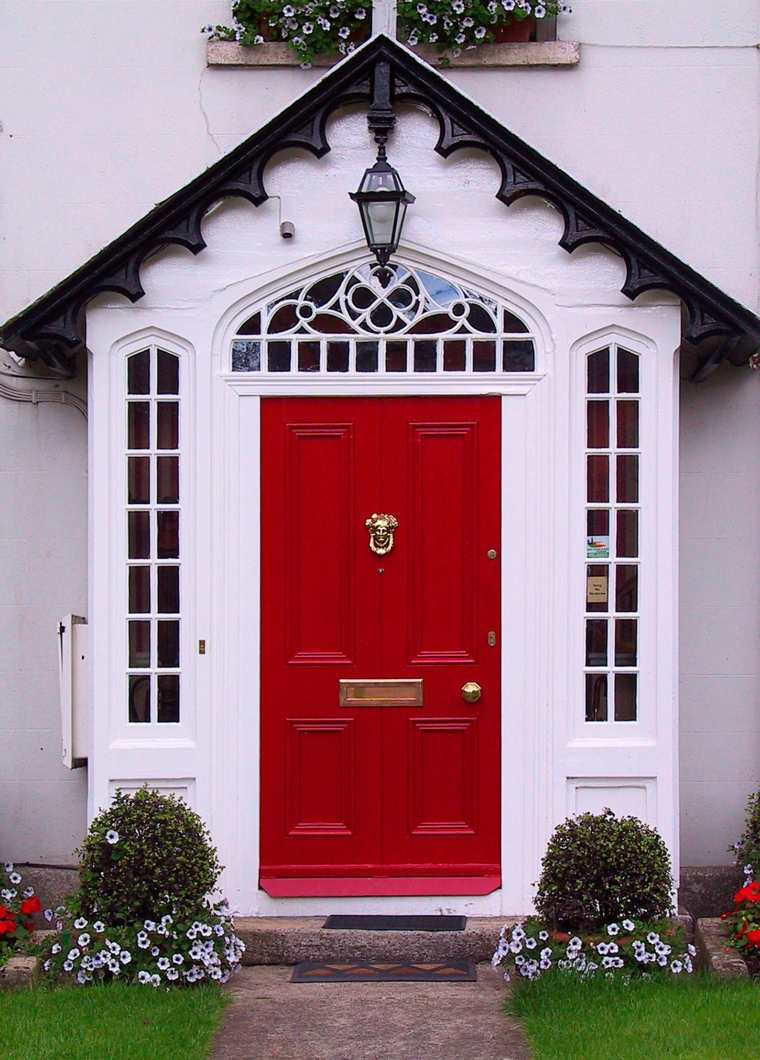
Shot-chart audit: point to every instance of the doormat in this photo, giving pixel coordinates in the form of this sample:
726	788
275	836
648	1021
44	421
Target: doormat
396	923
383	972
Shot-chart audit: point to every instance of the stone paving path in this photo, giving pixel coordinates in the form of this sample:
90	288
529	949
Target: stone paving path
271	1018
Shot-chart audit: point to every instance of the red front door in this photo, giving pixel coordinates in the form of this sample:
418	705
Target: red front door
356	797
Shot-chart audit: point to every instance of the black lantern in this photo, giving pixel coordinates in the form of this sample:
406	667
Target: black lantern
382	201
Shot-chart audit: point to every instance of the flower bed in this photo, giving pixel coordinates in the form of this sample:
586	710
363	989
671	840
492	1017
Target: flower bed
630	948
314	28
744	924
18	904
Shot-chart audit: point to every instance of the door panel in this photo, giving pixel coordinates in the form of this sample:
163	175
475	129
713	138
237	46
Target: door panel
369	791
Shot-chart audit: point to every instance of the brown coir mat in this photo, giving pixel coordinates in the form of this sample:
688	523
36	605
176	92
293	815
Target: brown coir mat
384	972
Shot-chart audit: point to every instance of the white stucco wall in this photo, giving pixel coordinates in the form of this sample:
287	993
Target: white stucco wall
108	107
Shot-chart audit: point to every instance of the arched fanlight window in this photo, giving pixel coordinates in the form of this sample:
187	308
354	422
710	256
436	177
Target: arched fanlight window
385	320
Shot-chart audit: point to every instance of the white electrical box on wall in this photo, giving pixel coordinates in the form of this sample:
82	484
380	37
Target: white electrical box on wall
72	673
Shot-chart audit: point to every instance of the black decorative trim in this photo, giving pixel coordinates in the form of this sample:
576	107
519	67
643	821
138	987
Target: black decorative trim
380	74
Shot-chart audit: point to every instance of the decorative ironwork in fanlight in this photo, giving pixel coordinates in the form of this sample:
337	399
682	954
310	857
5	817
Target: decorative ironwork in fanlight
383	319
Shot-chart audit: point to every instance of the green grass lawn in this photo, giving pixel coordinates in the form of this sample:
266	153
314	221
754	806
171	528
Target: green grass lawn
108	1022
695	1017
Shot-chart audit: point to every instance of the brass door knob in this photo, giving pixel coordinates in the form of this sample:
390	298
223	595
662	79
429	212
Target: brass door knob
471	691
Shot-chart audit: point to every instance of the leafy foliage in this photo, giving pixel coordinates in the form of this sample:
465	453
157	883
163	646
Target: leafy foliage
145	853
599	868
170	951
531	949
314	27
747	847
18	904
310	27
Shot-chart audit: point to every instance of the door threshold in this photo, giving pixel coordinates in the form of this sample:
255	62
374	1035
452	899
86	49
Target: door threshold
377	886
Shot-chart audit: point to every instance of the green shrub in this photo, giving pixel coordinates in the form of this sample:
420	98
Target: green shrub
747	848
599	868
145	854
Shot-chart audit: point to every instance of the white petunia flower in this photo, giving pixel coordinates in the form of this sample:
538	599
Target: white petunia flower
14	877
344	32
653	937
628	925
99	926
73	954
112	836
691	950
480	32
178	958
48	914
288	11
539	10
125	956
67	966
613	929
83	940
360	13
55	948
143	977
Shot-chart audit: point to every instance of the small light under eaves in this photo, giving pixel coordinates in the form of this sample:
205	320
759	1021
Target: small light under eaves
382	201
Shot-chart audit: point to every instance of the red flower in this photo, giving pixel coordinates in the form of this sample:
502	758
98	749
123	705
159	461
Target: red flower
30	905
7	927
749	893
753	937
5	913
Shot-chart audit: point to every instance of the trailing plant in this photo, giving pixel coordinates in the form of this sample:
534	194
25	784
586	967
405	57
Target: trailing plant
629	948
18	904
746	849
452	25
314	27
309	27
599	869
146	852
170	950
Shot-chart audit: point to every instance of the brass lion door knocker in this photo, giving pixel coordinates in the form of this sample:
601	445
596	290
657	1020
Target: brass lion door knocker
381	528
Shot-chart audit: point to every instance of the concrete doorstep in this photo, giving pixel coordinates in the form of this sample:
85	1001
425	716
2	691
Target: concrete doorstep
288	940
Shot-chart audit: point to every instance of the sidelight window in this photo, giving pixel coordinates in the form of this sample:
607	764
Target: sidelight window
392	321
613	456
152	511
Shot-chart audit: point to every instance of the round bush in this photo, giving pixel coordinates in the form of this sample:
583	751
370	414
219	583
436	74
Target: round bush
747	848
599	868
147	852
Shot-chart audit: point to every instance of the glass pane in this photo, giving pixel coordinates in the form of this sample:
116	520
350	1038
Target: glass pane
337	356
596	642
168	698
252	325
139	698
598	524
454	355
626	587
138	535
625	642
511	323
279	356
168	373
168	535
395	356
625	697
139	590
598	478
308	356
597	587
628	424
138	425
424	356
366	356
168	425
597	533
627	373
138	480
138	373
167	479
168	644
518	356
139	644
246	355
598	424
168	590
596	697
628	479
598	372
484	356
627	533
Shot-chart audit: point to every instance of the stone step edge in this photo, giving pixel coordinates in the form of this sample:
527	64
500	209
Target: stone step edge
286	940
